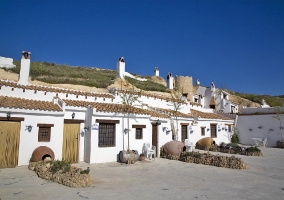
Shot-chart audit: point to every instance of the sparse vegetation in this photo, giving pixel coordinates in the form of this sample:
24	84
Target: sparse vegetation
148	85
64	74
272	101
57	165
235	138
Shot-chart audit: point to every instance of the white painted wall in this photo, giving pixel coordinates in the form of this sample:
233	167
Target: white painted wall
29	140
266	121
109	154
6	62
222	135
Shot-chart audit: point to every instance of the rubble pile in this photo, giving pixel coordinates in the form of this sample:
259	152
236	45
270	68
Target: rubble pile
69	175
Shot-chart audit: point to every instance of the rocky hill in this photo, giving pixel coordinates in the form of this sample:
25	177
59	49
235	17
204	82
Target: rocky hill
95	79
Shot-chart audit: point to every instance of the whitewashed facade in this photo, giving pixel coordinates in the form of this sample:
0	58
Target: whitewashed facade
260	123
89	115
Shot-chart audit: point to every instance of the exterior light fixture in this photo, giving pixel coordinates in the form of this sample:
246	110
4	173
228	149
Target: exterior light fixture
86	128
271	130
73	115
29	128
260	127
126	130
158	122
250	130
8	115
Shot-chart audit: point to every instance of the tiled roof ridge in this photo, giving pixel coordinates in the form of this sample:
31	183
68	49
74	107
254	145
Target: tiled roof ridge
147	94
195	103
112	107
170	112
29	104
208	115
54	89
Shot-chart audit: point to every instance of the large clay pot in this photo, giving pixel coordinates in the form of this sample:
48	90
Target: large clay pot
41	153
173	147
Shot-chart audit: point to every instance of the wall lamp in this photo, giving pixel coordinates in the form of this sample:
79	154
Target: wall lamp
8	115
250	130
126	130
260	127
29	128
208	129
86	128
271	130
73	115
158	122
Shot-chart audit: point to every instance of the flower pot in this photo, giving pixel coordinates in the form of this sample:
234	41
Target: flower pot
142	158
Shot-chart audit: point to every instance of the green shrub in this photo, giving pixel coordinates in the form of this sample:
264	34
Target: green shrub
57	165
86	171
253	149
234	145
235	138
193	154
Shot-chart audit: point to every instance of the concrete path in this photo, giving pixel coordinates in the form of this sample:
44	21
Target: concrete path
159	179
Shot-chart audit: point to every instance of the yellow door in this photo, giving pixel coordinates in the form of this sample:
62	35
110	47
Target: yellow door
70	147
9	143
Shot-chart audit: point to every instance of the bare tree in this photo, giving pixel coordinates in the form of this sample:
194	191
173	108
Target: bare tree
130	99
176	103
279	113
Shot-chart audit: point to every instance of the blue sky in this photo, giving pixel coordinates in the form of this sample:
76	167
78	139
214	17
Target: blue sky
239	45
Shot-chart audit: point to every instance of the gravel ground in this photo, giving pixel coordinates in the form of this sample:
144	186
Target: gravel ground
159	179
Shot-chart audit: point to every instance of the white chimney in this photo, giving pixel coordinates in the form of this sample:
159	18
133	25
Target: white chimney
170	79
156	71
212	87
25	68
197	82
120	68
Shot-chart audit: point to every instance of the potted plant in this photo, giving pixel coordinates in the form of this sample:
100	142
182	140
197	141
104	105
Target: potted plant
142	157
280	143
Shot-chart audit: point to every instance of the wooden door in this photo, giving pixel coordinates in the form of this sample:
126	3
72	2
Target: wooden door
213	130
70	147
183	132
155	137
9	143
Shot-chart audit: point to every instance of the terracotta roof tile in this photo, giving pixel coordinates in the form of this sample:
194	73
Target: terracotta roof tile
208	115
114	108
195	104
12	102
147	94
171	112
54	89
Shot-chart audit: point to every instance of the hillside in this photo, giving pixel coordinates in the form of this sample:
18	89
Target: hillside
95	79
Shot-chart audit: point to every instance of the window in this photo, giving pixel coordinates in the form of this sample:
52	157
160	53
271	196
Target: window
44	132
106	135
213	130
139	133
138	130
202	131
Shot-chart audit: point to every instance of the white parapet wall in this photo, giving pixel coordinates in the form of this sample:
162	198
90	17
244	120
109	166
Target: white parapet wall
6	62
